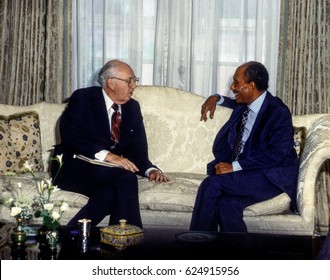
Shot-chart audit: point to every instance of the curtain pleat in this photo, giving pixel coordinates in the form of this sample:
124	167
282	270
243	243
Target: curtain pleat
194	45
304	75
35	52
304	56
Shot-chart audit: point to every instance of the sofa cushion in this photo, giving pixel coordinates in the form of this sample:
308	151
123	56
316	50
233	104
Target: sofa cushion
29	189
176	195
8	188
278	205
281	203
180	192
19	142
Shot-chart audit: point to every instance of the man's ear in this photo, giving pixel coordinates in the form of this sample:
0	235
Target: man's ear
252	85
110	83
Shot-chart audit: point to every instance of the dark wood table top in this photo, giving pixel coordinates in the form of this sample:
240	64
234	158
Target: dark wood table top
173	244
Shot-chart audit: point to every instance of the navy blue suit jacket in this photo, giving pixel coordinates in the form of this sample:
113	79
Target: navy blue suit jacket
269	148
85	130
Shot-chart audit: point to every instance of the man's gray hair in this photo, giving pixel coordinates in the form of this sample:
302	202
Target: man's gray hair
107	71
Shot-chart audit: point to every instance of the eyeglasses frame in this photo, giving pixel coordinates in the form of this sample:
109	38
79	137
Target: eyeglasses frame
129	81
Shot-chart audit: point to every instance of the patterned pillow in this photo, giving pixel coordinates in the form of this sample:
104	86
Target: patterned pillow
277	205
19	142
4	142
299	139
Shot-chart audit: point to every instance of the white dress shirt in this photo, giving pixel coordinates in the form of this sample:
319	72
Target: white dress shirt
103	153
108	103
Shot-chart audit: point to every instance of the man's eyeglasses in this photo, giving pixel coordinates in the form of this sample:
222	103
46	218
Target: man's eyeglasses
129	82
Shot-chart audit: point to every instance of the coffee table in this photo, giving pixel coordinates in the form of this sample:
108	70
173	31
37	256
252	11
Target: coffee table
176	244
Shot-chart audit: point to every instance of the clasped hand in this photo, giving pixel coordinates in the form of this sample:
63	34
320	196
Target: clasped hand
223	168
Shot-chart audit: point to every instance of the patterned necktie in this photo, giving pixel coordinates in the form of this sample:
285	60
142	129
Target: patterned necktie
115	124
239	143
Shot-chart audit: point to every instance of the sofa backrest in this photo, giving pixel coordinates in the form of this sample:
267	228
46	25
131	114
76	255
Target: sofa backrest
178	141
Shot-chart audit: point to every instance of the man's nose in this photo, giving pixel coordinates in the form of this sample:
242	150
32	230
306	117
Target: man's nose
232	87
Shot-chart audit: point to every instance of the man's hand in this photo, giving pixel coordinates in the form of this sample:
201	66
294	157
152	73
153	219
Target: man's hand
121	161
209	105
223	168
157	176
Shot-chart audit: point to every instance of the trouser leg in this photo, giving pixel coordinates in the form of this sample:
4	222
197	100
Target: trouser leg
99	205
127	201
247	186
204	215
230	213
111	191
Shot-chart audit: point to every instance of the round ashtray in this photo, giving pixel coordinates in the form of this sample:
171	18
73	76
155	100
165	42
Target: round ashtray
196	236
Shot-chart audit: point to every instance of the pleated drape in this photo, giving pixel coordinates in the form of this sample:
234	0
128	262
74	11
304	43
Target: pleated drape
35	51
304	74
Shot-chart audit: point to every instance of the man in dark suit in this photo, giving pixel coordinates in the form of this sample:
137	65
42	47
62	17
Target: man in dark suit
258	166
86	128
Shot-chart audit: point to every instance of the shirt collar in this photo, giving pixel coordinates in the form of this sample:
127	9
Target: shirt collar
108	101
256	104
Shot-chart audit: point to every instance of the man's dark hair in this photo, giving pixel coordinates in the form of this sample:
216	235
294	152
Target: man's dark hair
257	73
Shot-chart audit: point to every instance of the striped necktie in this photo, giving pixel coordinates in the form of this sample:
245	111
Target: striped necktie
239	143
115	124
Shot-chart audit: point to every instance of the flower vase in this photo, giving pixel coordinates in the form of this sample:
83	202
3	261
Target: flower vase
42	236
19	235
52	239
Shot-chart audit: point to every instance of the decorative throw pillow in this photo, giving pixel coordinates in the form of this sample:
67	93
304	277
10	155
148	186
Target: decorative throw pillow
299	139
277	205
20	142
4	142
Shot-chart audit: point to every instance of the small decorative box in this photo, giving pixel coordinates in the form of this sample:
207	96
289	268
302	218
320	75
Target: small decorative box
122	235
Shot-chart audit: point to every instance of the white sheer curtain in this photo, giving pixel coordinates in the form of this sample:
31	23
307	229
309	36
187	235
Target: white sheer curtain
194	45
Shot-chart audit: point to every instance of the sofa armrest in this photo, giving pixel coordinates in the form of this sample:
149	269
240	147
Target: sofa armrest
315	153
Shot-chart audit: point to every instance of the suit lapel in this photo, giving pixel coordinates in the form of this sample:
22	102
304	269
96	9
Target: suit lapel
225	130
257	122
260	114
101	113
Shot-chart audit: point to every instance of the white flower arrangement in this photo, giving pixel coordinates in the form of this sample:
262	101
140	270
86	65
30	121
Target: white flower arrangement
20	206
45	207
42	205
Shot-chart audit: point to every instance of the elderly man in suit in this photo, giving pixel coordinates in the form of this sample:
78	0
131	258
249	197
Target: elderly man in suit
254	153
105	123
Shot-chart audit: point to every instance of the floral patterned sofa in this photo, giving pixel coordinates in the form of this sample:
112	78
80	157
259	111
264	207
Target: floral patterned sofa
181	145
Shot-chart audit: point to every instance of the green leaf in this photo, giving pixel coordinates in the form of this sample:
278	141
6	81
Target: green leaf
44	213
